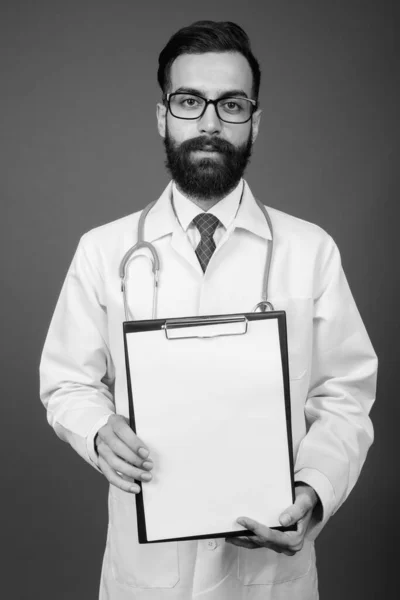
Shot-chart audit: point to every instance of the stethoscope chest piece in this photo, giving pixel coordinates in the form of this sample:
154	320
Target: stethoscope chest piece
263	306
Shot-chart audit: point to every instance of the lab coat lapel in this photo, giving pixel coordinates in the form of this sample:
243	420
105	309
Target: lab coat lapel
161	221
251	217
180	243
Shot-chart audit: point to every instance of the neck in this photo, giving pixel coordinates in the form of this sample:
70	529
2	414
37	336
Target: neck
203	203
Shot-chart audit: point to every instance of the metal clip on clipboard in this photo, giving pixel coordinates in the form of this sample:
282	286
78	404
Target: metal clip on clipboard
206	327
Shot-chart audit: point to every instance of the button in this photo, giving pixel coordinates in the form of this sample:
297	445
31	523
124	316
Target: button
211	544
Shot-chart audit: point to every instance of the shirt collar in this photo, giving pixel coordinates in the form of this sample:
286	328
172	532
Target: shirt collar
162	219
225	210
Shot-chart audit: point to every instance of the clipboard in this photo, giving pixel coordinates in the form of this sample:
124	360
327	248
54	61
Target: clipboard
210	397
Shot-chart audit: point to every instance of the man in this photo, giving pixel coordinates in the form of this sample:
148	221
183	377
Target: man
209	118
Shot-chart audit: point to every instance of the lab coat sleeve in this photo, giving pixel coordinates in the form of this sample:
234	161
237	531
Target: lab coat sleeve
341	392
76	370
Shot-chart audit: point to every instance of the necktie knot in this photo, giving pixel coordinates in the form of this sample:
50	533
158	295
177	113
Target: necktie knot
206	223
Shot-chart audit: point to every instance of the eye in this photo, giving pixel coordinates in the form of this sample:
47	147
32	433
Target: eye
189	101
231	106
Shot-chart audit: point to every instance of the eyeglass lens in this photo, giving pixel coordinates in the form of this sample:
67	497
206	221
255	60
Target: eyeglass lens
232	110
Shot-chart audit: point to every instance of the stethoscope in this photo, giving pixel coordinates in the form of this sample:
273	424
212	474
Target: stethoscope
141	244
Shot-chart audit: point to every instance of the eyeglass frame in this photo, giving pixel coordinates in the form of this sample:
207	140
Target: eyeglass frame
167	99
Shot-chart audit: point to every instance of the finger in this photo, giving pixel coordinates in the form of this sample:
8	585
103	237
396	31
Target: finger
302	524
147	465
128	479
121	466
292	514
263	544
296	511
272	538
253	543
122	429
119	448
114	479
108	435
242	543
262	531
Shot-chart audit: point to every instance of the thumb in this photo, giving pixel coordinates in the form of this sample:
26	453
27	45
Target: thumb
295	512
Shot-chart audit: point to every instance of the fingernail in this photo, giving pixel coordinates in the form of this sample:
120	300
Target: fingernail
146	476
143	452
241	522
134	489
148	464
285	520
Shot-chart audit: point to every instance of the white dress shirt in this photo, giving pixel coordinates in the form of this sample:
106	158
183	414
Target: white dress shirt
225	210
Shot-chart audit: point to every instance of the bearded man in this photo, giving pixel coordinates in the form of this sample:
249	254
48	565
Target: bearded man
213	241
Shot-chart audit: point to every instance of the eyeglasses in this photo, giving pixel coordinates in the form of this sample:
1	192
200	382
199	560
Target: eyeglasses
229	110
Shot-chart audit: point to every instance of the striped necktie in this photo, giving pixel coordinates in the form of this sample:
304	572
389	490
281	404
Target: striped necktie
206	223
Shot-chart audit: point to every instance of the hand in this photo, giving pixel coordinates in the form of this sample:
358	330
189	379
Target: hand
288	542
122	455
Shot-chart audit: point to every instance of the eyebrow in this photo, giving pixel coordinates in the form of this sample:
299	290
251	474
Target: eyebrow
226	94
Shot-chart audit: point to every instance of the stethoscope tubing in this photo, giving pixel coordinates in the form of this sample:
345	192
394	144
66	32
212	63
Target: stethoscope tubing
263	306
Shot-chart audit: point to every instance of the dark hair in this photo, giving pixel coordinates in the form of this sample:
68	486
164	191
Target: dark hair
207	36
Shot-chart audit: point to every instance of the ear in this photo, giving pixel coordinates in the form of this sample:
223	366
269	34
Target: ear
255	126
161	118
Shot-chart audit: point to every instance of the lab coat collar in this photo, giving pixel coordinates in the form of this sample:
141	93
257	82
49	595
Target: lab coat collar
161	220
251	217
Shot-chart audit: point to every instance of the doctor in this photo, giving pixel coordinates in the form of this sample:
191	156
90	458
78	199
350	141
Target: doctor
213	241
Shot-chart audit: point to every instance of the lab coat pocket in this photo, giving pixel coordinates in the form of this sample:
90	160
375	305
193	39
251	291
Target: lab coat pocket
133	564
299	322
265	567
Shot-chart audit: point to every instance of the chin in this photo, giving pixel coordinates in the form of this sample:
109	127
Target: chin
205	162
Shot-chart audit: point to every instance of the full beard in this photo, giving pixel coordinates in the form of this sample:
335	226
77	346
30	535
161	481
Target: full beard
208	177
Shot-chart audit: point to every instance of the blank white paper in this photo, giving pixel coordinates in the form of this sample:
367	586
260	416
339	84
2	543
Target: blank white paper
212	413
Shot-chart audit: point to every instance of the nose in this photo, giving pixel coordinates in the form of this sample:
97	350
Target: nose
209	122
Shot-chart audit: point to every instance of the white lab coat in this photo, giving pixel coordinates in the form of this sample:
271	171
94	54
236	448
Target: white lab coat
332	383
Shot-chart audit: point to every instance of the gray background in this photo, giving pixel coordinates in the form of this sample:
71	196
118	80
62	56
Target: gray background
79	147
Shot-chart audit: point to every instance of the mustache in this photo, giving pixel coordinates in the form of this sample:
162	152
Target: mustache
208	144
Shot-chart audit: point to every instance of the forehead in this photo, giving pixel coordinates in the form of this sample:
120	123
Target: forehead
212	72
